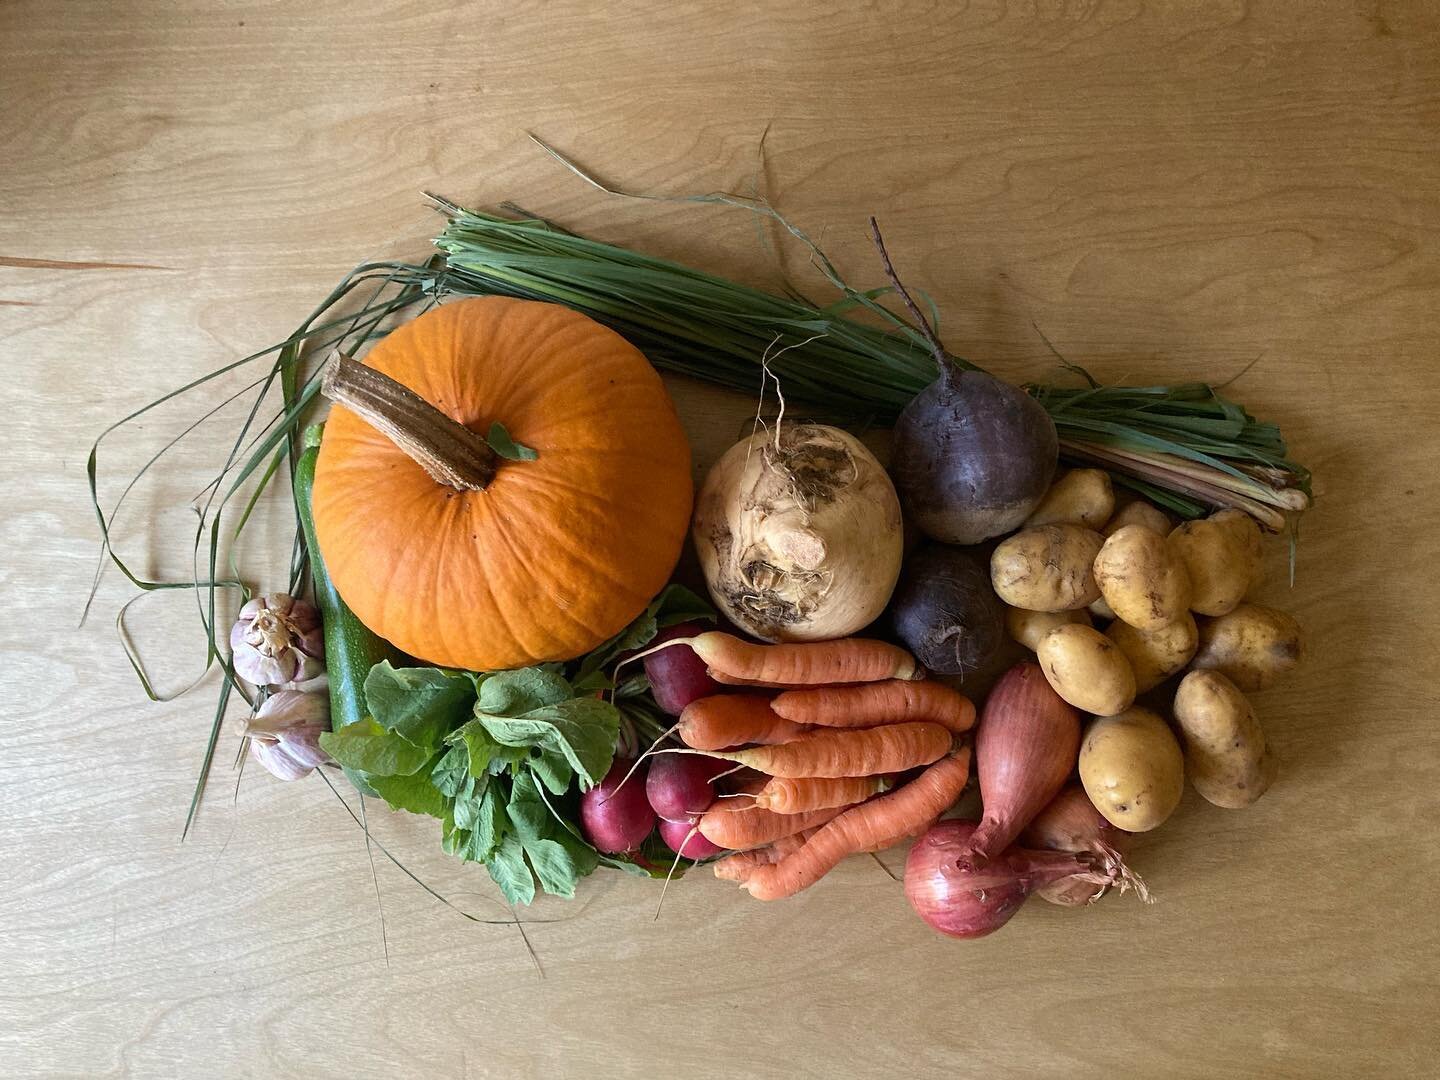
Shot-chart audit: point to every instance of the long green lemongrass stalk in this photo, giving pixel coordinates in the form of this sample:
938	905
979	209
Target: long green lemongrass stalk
1185	445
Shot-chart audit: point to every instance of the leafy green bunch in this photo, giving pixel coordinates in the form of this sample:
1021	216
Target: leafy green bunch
501	758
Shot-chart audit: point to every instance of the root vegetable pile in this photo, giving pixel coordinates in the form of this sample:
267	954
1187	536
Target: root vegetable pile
503	485
835	755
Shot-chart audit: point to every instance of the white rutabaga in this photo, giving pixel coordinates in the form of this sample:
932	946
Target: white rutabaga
799	534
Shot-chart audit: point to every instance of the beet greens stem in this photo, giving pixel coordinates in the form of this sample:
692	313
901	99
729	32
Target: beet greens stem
942	358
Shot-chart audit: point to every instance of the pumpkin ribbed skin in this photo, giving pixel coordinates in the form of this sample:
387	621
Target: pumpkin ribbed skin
557	554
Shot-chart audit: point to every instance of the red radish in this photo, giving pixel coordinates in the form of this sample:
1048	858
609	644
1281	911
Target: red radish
970	903
1026	746
677	675
681	787
683	837
616	818
1071	823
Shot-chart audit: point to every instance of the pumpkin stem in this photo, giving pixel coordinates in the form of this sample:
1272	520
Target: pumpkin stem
446	449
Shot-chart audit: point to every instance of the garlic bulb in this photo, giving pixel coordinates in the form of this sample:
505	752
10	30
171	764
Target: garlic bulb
799	534
285	733
277	642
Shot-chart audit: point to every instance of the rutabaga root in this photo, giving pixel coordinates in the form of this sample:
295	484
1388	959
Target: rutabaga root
798	533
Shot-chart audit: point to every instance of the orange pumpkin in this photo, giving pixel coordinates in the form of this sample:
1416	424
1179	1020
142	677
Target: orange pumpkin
467	560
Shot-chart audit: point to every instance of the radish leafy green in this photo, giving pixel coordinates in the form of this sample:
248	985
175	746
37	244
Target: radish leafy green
500	758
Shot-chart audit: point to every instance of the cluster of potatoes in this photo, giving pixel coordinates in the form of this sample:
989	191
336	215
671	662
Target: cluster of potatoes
1075	560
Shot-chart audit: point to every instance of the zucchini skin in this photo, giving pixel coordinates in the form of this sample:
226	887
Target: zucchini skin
351	648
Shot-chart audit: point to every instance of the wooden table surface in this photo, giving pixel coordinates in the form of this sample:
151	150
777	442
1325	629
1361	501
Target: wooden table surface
1168	190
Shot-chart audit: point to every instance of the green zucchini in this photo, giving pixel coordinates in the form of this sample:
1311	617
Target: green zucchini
351	648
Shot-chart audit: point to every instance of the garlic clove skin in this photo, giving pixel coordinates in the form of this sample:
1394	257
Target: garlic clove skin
277	642
279	764
285	733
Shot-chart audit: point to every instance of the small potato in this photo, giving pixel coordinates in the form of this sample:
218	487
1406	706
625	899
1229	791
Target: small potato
1132	769
1100	609
1225	751
1221	554
1251	646
1080	497
1048	568
1155	655
1141	580
1085	668
1028	627
1140	512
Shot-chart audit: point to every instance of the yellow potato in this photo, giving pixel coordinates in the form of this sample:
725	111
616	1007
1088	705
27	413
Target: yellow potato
1132	769
1086	668
1155	655
1221	554
1141	580
1048	568
1252	646
1140	512
1028	627
1080	497
1225	752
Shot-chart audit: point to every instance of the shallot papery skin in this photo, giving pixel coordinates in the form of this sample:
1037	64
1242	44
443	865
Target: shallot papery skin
277	642
1071	823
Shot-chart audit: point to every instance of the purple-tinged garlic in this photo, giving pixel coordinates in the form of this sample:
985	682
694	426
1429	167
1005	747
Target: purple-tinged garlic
285	733
277	642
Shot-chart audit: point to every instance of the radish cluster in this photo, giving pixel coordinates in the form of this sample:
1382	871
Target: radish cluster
618	814
672	791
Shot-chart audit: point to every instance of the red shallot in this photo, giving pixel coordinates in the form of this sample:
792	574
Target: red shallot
970	903
1071	823
1026	745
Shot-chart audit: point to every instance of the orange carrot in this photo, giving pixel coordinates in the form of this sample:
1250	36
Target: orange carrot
859	752
867	827
713	723
740	864
738	824
849	660
893	701
797	795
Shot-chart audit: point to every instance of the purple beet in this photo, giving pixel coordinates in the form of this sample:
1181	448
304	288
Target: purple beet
677	675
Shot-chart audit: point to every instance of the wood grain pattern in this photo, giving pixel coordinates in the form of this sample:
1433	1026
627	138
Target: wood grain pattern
1169	189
